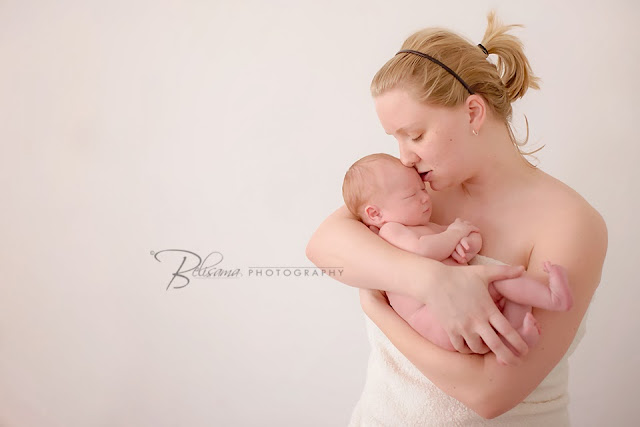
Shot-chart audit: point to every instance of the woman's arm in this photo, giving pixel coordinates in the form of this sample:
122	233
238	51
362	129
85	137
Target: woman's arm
369	262
457	296
579	242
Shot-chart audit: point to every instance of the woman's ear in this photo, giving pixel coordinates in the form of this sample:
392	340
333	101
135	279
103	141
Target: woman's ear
476	108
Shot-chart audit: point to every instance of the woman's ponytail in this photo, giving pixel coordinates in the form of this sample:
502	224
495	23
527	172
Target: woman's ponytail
513	66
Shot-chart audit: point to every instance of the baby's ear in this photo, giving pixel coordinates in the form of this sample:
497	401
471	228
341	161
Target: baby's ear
373	215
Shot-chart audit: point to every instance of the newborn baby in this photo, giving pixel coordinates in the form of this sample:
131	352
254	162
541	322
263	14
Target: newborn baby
380	191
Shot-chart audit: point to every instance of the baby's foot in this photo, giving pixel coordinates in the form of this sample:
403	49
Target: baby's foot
530	330
561	297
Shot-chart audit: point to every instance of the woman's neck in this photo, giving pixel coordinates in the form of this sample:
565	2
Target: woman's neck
501	169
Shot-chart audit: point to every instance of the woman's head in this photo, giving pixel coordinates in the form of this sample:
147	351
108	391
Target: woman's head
428	82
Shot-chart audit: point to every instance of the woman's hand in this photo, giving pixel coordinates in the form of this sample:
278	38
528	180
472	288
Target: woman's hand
462	304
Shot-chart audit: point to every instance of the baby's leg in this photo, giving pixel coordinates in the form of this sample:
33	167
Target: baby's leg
418	317
427	326
403	305
525	290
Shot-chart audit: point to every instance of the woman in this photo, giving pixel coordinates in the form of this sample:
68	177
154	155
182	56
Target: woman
449	108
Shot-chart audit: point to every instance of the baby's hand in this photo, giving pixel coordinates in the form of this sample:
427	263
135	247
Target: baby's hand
463	227
460	252
474	242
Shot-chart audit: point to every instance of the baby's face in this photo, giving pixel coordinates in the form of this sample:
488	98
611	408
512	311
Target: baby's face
405	198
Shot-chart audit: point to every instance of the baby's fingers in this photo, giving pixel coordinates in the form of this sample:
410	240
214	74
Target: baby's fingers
456	257
465	243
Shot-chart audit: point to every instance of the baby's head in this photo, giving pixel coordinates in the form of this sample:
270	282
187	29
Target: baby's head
378	188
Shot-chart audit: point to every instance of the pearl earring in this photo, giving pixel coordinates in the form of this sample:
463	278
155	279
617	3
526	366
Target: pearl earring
475	132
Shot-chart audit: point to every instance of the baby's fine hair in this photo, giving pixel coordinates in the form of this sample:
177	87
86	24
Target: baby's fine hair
499	84
362	181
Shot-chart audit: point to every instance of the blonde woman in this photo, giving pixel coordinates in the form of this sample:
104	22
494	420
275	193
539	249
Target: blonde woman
449	108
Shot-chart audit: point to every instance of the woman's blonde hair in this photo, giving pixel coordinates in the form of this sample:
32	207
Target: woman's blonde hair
499	84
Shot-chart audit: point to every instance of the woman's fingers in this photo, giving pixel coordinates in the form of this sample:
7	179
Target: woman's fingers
459	344
501	272
499	348
504	328
475	343
500	324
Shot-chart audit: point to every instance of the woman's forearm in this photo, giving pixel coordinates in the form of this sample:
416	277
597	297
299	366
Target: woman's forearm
366	260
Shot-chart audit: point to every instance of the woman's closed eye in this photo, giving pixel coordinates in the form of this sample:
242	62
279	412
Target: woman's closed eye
417	138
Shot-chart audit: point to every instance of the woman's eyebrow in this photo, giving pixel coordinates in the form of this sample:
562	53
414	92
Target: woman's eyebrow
403	129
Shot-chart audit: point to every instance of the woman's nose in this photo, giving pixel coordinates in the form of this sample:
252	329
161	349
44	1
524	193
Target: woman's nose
407	157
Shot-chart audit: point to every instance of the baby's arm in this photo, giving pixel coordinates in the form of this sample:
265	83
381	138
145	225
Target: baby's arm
435	246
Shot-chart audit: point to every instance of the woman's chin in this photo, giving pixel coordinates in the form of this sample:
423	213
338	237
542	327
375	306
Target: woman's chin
437	186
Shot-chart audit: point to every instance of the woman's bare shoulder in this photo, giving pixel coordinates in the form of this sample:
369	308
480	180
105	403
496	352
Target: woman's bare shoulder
569	230
567	208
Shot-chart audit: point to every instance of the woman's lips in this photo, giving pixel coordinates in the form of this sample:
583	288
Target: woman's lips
425	176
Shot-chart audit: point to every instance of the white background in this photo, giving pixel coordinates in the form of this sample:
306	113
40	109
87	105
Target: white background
136	126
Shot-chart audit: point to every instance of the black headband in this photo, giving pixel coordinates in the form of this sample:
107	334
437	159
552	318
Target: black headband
434	60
